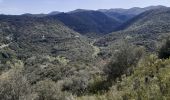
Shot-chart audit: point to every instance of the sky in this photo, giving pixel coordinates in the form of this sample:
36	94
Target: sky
16	7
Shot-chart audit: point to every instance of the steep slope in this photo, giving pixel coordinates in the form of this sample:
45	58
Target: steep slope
149	81
122	17
86	22
46	49
145	29
150	20
32	36
125	14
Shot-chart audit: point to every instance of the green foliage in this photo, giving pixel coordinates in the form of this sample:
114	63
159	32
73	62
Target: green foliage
145	30
123	61
49	90
14	85
63	60
164	51
86	22
150	80
98	85
56	61
29	36
77	84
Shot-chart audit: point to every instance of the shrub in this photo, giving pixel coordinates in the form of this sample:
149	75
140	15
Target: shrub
77	84
123	61
49	90
164	51
14	86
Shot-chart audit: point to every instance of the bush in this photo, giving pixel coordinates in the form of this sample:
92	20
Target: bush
164	51
77	84
49	90
123	61
14	86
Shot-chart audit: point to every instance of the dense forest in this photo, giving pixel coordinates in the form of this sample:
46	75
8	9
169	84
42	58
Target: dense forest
115	54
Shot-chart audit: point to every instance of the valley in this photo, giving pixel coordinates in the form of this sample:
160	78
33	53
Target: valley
105	54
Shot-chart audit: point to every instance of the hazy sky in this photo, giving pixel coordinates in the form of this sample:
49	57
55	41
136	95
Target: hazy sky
46	6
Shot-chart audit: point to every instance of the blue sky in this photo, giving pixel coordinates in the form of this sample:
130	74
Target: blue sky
46	6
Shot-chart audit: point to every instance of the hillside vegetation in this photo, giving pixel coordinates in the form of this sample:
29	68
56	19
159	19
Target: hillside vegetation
86	22
146	29
42	57
149	81
124	15
29	36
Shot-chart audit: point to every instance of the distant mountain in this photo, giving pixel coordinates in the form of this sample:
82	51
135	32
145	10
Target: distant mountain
78	10
42	14
117	14
29	36
35	15
54	13
95	23
144	29
126	14
152	21
84	21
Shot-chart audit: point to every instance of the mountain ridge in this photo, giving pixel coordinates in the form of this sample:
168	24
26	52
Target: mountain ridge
88	22
144	29
126	14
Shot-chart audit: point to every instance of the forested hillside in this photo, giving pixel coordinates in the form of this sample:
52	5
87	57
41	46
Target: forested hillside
146	29
38	51
88	22
34	36
124	15
86	55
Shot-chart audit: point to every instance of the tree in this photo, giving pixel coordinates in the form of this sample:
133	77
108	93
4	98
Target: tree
123	61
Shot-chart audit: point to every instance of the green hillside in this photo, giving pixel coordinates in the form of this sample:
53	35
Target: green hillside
79	56
30	36
146	29
88	22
